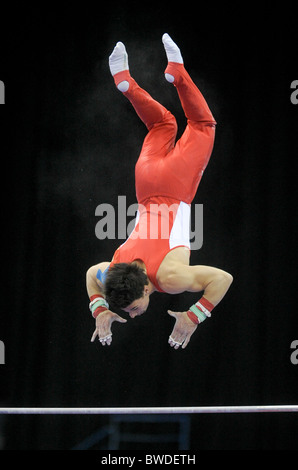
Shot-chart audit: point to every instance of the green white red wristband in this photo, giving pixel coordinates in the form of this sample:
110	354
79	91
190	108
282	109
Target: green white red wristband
98	305
200	311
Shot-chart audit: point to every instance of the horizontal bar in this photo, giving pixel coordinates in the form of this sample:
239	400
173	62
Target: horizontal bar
150	410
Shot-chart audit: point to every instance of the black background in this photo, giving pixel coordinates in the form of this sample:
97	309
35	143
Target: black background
69	142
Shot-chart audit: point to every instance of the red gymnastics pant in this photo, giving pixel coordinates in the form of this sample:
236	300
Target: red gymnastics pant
166	168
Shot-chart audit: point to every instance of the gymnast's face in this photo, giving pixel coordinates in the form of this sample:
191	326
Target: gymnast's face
138	306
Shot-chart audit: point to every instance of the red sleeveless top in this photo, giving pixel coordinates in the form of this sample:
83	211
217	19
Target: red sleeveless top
162	224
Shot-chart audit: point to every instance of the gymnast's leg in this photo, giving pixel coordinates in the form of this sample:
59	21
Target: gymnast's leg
161	125
192	152
152	113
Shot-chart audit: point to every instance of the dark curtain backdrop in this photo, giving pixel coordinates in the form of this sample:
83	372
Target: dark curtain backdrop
69	142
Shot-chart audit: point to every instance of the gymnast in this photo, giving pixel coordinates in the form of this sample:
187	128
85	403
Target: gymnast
167	175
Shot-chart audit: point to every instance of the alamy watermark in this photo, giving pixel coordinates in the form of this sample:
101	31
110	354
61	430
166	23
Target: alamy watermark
294	355
294	94
2	353
157	222
2	93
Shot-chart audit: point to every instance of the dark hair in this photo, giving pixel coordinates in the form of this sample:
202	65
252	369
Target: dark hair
124	283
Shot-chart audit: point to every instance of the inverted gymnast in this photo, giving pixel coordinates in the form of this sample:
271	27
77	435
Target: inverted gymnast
167	175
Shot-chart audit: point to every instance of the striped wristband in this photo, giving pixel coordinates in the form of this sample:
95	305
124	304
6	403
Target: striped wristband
200	311
98	305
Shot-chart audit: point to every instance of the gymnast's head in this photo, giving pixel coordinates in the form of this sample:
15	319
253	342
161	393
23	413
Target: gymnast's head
127	287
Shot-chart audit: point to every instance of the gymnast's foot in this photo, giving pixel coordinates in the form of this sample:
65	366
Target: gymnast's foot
118	62
173	54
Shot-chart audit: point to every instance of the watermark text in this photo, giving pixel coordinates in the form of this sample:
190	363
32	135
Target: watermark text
2	353
294	94
156	221
2	92
294	355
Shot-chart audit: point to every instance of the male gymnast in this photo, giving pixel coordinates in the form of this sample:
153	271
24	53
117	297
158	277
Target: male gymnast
167	175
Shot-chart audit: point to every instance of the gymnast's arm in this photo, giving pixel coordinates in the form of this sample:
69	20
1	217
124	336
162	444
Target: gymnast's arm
180	277
104	320
215	284
93	285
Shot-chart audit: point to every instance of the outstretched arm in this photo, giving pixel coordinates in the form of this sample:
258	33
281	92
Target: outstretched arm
104	317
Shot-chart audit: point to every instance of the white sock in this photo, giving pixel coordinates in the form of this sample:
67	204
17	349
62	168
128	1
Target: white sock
172	50
118	62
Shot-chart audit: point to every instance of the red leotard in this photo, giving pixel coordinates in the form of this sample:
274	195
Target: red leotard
167	175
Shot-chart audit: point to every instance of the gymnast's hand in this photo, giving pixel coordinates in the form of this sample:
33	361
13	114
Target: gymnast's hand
182	331
103	323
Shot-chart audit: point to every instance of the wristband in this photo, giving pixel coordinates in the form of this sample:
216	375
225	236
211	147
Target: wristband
200	311
97	305
98	311
198	316
98	302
